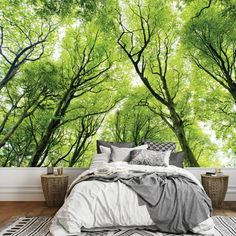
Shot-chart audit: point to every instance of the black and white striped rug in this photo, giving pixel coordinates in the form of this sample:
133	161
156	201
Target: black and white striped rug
38	226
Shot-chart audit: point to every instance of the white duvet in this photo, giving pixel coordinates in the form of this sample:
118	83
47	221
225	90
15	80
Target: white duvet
107	204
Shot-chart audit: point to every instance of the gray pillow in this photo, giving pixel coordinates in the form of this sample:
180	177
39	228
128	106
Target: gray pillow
108	144
149	157
177	159
160	146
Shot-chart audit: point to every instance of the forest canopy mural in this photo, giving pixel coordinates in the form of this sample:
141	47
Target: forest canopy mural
75	71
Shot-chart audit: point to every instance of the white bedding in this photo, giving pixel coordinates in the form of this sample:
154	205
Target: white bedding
103	204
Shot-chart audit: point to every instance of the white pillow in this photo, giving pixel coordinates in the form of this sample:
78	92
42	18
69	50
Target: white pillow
123	154
106	150
99	160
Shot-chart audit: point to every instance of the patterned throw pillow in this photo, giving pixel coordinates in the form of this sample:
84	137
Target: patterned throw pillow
159	146
149	157
108	144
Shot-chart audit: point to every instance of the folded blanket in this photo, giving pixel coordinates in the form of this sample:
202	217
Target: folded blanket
175	203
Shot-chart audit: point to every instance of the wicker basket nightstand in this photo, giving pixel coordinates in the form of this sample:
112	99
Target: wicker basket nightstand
216	188
54	189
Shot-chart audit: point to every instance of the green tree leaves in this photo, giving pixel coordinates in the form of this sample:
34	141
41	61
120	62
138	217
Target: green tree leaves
73	71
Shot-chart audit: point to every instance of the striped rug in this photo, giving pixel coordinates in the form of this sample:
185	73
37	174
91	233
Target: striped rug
38	226
28	226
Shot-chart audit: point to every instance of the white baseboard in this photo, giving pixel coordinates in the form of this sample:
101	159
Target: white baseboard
23	184
22	193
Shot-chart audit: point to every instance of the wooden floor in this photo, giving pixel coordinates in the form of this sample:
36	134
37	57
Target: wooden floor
228	209
10	209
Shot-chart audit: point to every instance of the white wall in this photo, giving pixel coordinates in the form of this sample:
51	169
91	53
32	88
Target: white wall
23	184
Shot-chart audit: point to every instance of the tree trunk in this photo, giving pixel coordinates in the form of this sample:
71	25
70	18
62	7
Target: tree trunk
12	131
178	129
78	148
162	51
10	74
179	132
232	90
52	126
44	142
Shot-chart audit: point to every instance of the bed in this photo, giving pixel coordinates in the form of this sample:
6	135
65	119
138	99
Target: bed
121	190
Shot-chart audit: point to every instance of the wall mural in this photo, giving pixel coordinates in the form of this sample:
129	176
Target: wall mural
126	71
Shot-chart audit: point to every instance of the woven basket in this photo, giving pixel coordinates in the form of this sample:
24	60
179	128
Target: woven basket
54	189
216	188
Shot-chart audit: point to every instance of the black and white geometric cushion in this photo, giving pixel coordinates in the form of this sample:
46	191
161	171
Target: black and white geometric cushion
160	146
